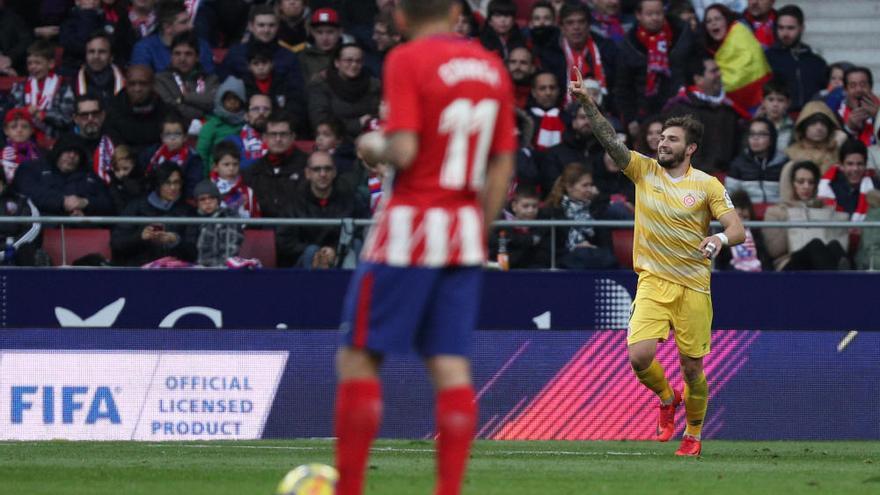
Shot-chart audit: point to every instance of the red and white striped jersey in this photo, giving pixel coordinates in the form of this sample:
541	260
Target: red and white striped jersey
458	99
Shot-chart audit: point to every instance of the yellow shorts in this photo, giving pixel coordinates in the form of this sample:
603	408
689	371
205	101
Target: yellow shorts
661	305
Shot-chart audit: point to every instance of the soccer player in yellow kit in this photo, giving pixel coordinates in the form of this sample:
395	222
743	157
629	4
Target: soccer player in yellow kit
672	256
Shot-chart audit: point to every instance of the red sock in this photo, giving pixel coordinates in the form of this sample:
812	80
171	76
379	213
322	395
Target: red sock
358	412
456	424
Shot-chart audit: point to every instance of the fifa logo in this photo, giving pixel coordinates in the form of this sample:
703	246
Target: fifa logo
75	404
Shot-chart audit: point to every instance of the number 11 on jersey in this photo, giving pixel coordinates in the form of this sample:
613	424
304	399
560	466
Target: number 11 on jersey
462	119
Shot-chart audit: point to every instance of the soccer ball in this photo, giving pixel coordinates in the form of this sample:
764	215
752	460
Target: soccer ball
309	479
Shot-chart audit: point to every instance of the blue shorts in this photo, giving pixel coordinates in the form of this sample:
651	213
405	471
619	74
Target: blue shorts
397	309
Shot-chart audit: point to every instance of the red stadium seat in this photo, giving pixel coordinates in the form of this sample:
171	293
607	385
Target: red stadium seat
6	82
622	239
305	146
760	210
65	248
259	244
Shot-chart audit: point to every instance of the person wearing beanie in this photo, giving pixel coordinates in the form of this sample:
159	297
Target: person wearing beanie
216	242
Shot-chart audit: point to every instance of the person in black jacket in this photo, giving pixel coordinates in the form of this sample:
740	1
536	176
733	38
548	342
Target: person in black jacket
527	247
63	183
321	196
24	236
136	245
135	115
500	34
578	145
794	62
15	37
276	176
651	64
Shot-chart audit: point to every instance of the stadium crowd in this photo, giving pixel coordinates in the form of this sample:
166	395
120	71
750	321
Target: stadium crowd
240	108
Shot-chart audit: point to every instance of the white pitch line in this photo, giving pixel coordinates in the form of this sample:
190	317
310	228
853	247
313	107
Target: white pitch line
404	450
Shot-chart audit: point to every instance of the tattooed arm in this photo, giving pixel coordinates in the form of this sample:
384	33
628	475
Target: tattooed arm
602	129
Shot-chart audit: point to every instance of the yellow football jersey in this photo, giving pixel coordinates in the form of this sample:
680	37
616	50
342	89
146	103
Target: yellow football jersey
672	218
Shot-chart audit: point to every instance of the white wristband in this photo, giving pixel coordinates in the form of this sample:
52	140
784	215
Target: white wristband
723	238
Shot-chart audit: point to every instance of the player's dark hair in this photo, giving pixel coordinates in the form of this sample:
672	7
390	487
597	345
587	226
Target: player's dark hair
225	148
569	177
419	11
853	147
791	11
693	128
855	70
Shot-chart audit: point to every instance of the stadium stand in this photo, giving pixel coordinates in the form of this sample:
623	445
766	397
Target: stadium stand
64	246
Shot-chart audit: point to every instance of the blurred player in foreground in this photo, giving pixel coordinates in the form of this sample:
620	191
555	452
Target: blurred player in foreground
672	256
449	138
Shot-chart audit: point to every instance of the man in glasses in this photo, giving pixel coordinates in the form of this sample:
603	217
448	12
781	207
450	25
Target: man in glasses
252	146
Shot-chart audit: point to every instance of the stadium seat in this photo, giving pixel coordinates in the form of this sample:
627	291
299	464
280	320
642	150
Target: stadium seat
259	244
6	82
65	247
622	239
305	146
760	210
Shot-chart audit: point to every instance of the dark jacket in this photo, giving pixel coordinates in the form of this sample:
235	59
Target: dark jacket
723	130
601	237
275	189
293	240
138	127
325	103
632	67
804	72
527	247
217	241
125	191
757	177
25	236
492	42
41	181
285	62
130	250
572	149
14	38
80	24
287	94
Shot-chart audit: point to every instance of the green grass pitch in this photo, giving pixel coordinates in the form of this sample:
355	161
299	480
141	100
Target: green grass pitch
406	467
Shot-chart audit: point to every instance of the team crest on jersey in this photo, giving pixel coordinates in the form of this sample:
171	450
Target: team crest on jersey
689	200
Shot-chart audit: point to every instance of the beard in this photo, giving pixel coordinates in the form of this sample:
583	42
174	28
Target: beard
676	160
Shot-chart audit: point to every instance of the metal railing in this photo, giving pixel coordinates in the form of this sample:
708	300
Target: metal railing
349	223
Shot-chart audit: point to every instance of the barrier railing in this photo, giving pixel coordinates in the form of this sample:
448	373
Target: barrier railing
347	224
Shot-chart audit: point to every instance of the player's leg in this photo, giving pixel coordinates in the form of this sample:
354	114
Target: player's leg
381	311
693	337
649	323
445	344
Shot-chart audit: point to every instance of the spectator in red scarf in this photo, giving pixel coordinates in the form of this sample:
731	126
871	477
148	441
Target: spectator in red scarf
521	66
249	141
857	108
174	149
544	109
651	64
45	94
608	20
20	145
760	16
846	185
235	195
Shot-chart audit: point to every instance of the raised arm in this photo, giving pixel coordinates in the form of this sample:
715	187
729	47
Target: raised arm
602	129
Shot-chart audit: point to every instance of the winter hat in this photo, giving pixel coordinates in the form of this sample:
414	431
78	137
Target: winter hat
206	187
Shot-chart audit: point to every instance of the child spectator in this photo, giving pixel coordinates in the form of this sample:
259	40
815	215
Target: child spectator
175	149
48	99
527	247
125	181
228	117
757	168
216	242
751	255
573	198
235	195
775	107
20	146
330	137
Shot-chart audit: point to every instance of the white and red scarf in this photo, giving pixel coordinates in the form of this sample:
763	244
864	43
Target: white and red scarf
588	61
253	146
763	29
867	134
181	84
374	184
657	45
41	93
826	192
744	257
236	196
82	84
163	154
549	128
14	154
143	25
102	159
